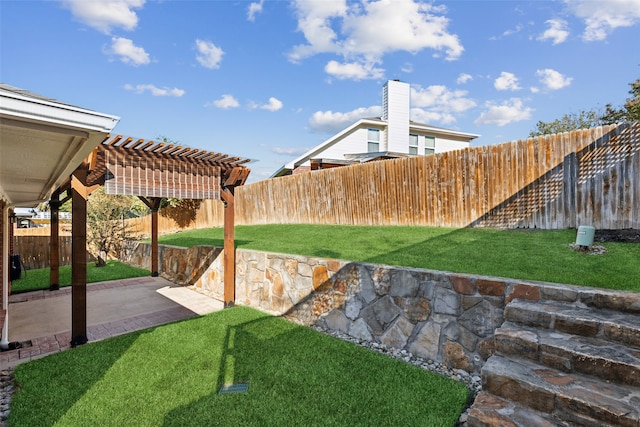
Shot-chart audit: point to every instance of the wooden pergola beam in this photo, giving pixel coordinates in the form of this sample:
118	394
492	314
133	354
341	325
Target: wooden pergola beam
216	175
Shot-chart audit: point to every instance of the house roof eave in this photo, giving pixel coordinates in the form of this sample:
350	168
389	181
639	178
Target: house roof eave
442	131
58	137
334	139
23	105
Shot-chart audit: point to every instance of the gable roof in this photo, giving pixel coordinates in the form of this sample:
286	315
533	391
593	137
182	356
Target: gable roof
375	122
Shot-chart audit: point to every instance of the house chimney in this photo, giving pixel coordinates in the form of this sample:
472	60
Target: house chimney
395	111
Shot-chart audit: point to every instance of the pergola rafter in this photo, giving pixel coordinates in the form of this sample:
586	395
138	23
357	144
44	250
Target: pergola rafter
151	171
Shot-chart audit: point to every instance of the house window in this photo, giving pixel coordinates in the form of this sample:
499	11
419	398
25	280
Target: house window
373	140
429	145
413	144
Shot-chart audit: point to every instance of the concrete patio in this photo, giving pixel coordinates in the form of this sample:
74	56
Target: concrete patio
41	320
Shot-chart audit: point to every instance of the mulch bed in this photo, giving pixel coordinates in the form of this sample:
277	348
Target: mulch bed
622	236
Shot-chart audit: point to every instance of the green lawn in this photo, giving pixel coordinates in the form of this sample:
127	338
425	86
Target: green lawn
38	279
519	254
170	376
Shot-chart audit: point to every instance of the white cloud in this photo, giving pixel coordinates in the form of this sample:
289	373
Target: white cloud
210	55
407	67
424	116
330	122
506	81
353	31
440	99
155	91
508	32
288	151
514	30
557	31
552	79
225	102
274	105
431	104
502	114
254	9
128	52
438	104
353	71
103	15
464	78
602	17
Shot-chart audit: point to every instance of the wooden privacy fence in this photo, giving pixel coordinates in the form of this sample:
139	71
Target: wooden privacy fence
585	177
34	250
210	214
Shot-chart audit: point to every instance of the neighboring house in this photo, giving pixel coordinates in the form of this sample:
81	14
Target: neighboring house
390	136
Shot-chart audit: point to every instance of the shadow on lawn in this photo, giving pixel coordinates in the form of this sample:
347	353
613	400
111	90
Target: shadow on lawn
299	376
70	380
186	242
479	251
442	246
295	374
261	340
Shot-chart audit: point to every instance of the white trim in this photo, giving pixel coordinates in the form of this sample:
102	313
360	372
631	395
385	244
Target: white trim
38	110
327	143
4	342
441	131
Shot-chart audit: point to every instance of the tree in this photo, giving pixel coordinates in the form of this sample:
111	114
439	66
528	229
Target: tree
630	111
583	120
182	211
107	230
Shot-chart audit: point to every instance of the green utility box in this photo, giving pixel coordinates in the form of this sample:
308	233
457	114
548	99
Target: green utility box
585	235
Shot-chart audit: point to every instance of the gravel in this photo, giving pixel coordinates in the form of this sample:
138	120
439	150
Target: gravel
7	387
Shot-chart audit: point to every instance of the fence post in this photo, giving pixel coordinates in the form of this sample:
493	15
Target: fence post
569	183
54	242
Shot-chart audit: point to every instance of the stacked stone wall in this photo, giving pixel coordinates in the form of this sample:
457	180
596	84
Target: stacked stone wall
447	317
182	266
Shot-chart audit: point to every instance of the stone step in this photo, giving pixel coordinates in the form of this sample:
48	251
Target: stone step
623	327
571	398
625	301
571	353
489	410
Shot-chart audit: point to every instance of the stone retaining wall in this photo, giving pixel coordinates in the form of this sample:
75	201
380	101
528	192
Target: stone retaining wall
180	265
450	318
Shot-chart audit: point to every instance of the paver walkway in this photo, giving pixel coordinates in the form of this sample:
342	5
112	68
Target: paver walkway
41	320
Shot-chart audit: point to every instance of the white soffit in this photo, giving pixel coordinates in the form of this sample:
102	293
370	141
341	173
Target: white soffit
42	141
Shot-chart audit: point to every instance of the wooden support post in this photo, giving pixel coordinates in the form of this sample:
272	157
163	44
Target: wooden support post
154	243
54	242
154	205
229	259
79	255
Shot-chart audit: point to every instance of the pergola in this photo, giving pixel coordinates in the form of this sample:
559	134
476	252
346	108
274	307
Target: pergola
151	171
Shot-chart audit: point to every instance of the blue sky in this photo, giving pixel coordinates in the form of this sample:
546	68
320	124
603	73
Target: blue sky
268	80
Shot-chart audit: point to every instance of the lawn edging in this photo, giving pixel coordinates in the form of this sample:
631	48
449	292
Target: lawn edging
447	317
